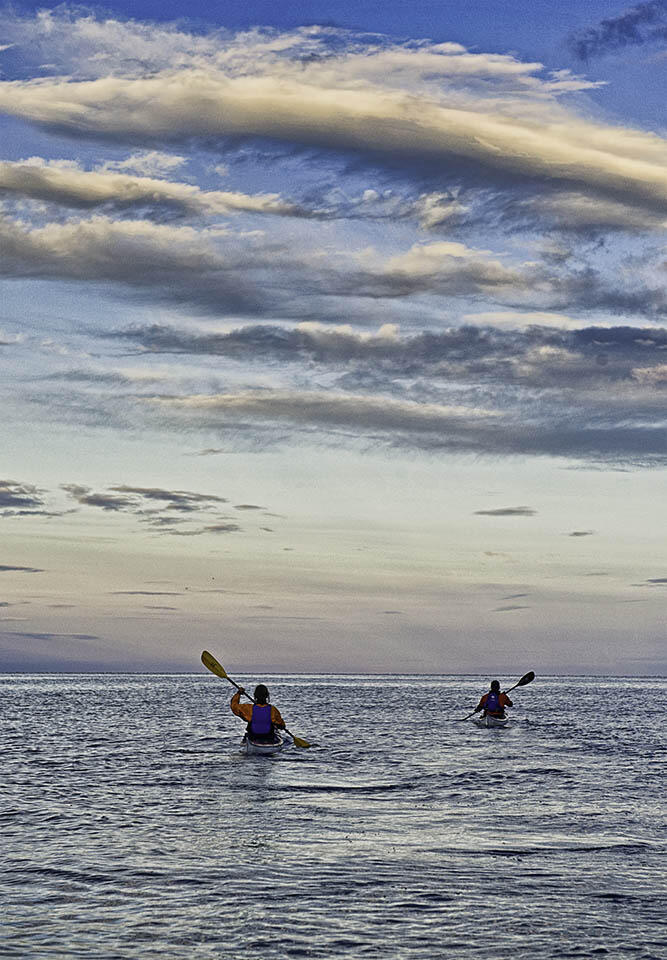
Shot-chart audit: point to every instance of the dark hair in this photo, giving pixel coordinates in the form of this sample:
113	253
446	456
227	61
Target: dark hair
261	693
495	685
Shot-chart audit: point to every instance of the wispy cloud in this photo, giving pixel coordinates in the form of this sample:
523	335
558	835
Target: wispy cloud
507	512
645	23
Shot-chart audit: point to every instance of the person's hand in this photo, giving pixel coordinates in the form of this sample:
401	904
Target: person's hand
241	691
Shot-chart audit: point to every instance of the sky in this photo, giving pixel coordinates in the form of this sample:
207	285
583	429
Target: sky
333	337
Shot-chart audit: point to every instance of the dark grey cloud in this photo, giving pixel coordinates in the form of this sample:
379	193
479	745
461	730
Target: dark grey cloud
515	596
247	506
49	636
6	568
176	507
214	528
645	23
24	500
581	533
507	512
15	494
180	499
509	608
105	501
538	355
146	593
596	428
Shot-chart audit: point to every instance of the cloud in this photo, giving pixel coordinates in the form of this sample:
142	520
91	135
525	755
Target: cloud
592	425
316	88
20	498
146	593
309	409
539	354
177	499
509	608
138	502
70	186
84	496
645	23
214	271
214	528
507	512
581	533
7	568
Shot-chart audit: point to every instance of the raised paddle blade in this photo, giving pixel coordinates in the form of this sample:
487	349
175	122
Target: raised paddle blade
527	678
212	664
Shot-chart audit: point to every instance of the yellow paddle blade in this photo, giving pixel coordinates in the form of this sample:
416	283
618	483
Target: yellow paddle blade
298	741
212	664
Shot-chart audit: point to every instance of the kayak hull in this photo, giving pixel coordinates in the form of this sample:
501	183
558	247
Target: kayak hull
499	722
252	748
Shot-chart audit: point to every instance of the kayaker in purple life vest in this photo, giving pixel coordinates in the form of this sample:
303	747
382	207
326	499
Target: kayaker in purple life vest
261	717
494	702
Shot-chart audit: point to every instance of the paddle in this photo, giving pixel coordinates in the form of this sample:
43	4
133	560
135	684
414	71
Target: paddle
212	664
526	678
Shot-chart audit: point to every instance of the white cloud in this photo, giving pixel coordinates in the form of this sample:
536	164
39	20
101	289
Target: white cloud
65	183
418	101
148	163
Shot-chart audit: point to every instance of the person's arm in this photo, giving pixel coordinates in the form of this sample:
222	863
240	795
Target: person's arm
276	719
505	701
242	710
481	704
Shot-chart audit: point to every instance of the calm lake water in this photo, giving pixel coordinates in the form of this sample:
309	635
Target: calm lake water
133	828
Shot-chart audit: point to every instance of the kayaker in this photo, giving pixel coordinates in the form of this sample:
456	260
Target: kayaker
494	702
261	717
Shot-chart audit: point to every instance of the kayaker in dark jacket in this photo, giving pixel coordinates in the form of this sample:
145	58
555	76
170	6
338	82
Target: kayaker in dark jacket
494	702
261	717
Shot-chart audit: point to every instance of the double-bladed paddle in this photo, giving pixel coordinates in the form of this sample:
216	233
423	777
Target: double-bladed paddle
526	678
212	664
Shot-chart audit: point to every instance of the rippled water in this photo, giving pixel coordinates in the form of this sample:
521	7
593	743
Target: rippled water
133	828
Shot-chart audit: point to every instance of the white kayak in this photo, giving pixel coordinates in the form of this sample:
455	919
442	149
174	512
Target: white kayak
489	721
256	748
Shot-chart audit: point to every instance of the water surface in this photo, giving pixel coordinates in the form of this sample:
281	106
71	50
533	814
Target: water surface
133	828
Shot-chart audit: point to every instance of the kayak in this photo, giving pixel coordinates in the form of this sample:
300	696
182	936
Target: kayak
253	748
489	721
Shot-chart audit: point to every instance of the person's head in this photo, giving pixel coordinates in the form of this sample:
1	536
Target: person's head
261	693
495	686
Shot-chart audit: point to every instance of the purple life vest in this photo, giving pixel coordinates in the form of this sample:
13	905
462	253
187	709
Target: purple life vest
261	719
492	704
